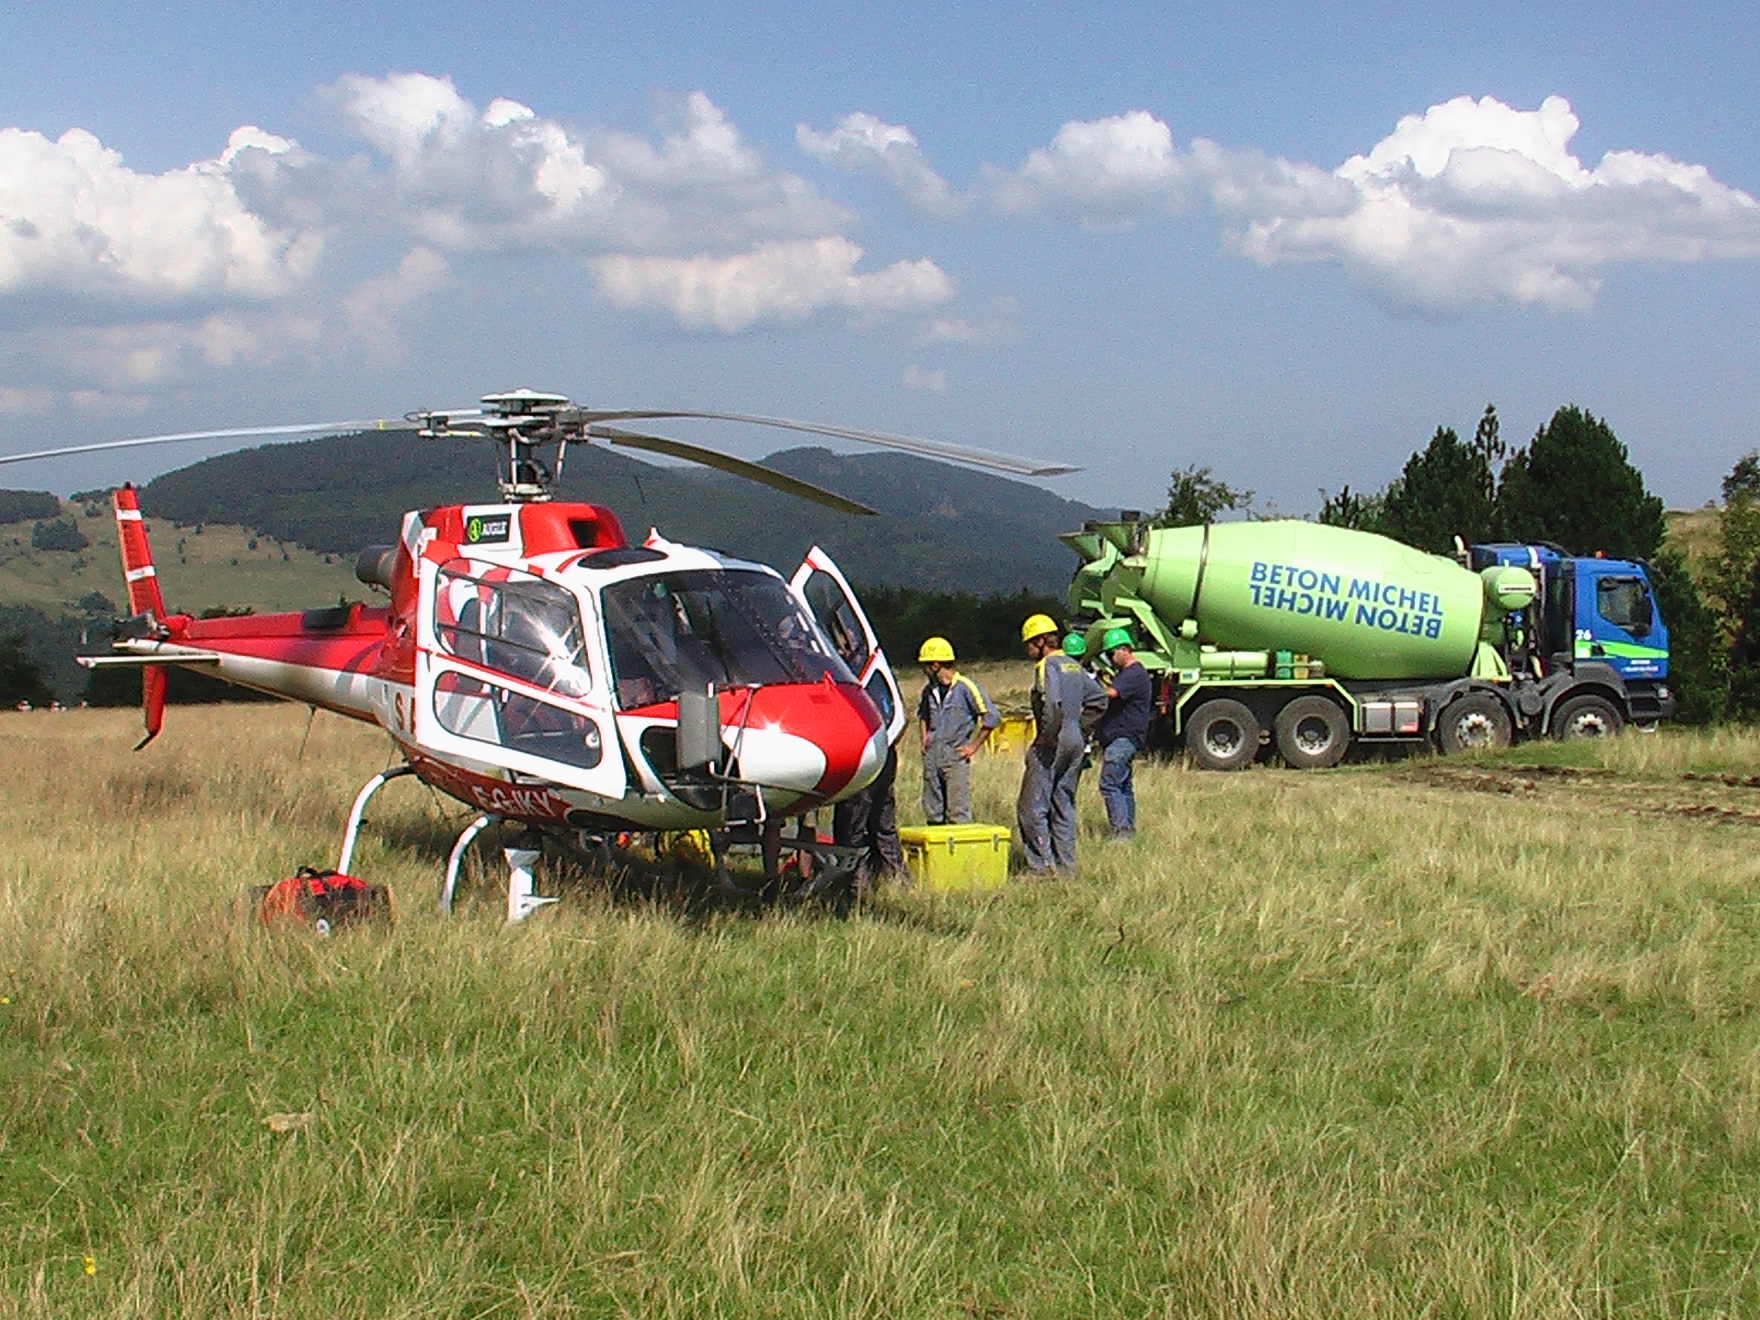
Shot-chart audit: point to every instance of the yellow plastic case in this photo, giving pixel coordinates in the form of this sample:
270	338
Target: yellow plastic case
1011	736
950	857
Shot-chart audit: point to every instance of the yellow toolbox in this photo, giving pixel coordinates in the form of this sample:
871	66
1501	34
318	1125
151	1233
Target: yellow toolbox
1011	736
943	857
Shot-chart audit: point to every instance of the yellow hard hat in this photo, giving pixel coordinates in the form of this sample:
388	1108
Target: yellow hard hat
935	651
1037	626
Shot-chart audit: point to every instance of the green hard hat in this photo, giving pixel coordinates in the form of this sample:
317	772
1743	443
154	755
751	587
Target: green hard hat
1075	645
1115	637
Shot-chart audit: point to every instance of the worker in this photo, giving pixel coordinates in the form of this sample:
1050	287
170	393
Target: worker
1066	703
1123	730
957	718
869	820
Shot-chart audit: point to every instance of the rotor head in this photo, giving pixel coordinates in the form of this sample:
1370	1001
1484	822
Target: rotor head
520	422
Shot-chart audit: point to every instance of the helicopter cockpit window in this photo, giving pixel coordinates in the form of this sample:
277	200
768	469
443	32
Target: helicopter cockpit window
511	623
488	713
710	627
832	607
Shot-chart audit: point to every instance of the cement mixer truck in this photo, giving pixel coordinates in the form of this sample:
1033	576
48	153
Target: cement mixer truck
1309	639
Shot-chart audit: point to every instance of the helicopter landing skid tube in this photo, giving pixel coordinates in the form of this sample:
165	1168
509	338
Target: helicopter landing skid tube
353	831
521	901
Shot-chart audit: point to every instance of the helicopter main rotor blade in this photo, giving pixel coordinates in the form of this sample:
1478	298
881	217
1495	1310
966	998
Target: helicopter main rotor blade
243	432
1010	463
739	467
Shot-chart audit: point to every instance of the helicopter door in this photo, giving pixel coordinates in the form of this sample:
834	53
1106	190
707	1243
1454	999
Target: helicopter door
503	678
826	593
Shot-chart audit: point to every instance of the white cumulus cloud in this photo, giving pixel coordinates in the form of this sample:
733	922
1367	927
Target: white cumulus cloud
75	219
459	178
864	144
780	282
1476	202
1102	172
125	358
376	308
1471	202
269	247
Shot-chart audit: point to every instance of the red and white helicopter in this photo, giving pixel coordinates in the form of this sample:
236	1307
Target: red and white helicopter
535	664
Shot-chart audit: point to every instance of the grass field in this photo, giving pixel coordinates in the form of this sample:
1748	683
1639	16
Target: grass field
1467	1038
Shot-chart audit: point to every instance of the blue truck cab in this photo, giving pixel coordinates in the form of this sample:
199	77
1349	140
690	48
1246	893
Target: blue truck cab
1593	647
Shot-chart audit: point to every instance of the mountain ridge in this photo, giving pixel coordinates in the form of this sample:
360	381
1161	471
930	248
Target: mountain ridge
938	527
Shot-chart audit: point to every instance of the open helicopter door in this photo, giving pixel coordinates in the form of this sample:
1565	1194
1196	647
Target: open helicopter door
826	593
504	678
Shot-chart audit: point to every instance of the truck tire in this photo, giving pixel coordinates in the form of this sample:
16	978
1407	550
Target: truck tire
1586	717
1312	733
1477	721
1222	735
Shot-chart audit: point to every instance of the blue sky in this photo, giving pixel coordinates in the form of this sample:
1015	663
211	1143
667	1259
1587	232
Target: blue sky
1285	241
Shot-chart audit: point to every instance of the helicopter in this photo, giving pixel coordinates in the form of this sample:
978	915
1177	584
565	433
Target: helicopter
537	665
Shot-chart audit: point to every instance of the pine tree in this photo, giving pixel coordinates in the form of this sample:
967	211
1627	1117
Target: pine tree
1733	581
1194	497
1573	484
1697	669
1348	508
1447	489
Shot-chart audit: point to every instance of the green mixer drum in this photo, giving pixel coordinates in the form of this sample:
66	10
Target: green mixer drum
1366	605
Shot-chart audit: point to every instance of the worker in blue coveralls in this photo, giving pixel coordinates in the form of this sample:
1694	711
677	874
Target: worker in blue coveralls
957	717
1066	703
1123	730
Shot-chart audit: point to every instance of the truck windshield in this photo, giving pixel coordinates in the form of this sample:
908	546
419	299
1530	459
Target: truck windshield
710	627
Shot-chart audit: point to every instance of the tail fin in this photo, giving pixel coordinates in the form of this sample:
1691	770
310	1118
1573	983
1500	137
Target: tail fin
143	598
153	678
137	556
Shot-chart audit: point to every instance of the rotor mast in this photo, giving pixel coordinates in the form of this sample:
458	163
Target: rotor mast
520	422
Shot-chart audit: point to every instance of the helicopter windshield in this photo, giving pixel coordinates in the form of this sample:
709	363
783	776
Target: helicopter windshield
686	631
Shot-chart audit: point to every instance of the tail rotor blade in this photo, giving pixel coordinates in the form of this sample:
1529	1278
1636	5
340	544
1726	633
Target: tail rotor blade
739	467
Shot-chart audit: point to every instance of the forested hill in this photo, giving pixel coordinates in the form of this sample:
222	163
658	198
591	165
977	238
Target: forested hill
940	528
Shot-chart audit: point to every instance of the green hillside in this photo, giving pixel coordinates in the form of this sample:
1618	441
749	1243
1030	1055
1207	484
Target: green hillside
206	567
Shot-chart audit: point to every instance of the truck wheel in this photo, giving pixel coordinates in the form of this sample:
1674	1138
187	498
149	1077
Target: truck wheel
1312	733
1475	722
1586	717
1222	735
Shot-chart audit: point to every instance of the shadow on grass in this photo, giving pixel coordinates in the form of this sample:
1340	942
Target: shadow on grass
628	873
637	878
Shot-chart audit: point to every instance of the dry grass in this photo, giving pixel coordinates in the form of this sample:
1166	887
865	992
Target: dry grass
1417	1039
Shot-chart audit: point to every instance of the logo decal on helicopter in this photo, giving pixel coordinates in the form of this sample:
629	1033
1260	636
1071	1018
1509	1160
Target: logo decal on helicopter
481	530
